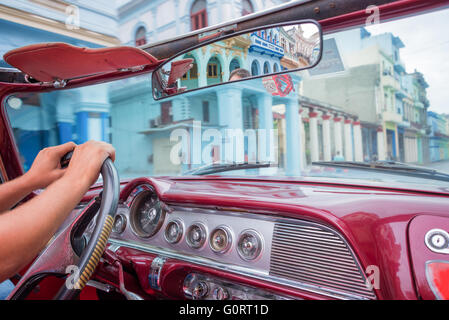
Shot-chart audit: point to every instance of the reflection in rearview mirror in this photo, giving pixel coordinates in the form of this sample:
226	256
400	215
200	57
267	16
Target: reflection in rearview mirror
259	53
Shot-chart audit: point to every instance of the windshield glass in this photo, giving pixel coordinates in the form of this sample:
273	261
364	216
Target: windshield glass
378	94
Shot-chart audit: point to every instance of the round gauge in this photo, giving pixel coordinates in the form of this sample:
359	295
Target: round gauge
220	239
249	245
146	214
173	231
196	235
119	223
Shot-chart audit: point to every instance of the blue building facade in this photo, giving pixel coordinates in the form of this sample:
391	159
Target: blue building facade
57	117
439	137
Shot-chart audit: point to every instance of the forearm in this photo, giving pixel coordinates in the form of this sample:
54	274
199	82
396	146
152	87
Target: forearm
25	230
15	190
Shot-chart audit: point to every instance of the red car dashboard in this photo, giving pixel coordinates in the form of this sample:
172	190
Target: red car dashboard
251	239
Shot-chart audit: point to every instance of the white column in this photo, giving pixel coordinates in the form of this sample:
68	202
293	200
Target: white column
266	138
327	138
358	148
231	121
380	144
338	137
314	147
302	133
265	135
348	140
293	138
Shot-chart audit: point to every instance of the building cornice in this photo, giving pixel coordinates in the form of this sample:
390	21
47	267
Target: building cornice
39	22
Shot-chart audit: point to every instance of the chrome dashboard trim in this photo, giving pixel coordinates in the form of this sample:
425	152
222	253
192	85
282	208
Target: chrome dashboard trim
236	270
155	273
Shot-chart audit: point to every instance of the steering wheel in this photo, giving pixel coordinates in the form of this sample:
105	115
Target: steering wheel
68	251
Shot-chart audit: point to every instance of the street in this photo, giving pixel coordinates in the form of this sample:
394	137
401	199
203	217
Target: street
440	165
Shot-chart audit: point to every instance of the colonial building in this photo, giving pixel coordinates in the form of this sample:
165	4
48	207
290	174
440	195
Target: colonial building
142	21
55	118
372	83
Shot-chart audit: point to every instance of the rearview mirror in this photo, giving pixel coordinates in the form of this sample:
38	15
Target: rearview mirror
245	55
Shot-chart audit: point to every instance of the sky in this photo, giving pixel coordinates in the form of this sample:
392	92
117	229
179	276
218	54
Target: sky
426	40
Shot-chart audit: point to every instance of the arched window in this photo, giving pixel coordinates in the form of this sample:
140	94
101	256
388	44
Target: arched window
266	68
190	78
213	71
141	36
247	7
255	68
234	65
198	15
275	67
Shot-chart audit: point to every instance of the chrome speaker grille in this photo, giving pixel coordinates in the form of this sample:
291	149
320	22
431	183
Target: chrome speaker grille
317	256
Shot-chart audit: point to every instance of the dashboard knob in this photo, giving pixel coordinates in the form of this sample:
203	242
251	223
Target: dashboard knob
199	290
220	293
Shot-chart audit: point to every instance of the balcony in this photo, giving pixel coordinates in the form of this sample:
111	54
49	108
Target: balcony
263	46
388	81
389	116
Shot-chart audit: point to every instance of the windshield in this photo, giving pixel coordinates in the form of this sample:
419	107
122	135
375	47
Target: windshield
378	94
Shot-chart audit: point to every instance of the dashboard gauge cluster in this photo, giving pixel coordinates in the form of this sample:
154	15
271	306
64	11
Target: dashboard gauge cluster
145	222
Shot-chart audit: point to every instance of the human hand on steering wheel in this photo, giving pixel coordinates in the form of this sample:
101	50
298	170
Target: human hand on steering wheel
64	250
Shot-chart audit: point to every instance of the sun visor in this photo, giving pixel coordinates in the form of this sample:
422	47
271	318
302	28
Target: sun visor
47	62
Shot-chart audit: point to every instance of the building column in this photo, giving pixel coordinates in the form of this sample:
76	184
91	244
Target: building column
81	126
327	138
358	147
348	140
302	134
314	143
293	166
265	137
64	114
380	144
338	137
230	118
105	126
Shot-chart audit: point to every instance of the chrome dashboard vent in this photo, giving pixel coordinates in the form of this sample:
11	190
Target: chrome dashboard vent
317	256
